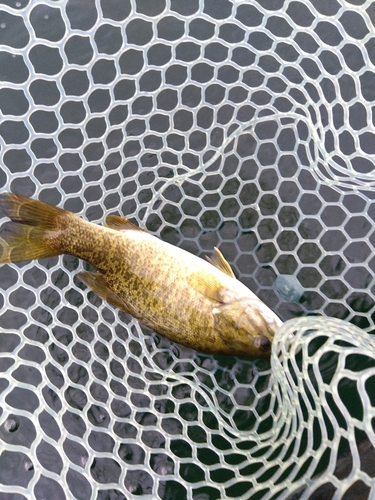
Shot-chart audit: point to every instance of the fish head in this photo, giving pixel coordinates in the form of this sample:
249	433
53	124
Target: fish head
244	323
247	327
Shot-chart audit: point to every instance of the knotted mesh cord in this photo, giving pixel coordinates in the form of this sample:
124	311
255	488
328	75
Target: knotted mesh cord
245	125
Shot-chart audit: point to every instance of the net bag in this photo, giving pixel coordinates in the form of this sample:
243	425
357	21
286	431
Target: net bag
246	125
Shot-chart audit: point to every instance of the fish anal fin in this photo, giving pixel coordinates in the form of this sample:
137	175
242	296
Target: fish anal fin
206	284
219	261
120	224
97	283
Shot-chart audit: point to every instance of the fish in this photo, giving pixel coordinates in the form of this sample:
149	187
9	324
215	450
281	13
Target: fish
194	302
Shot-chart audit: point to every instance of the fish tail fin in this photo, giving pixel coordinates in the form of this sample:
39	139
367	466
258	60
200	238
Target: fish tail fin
33	230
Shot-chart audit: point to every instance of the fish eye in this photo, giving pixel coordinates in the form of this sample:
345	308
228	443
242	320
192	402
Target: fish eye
264	343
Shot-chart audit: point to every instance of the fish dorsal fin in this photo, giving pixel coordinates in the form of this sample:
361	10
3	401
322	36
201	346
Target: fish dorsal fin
207	284
120	223
219	261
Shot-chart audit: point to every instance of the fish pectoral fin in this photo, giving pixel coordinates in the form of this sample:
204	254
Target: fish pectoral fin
207	284
120	224
97	283
218	260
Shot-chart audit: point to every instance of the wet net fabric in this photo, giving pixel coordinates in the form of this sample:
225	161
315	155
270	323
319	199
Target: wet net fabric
246	125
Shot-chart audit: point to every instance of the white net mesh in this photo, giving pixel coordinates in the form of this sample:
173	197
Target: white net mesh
247	125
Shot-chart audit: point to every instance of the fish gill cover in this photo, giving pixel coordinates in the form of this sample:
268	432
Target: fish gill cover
245	125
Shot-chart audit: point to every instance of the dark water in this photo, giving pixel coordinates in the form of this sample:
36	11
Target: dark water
68	139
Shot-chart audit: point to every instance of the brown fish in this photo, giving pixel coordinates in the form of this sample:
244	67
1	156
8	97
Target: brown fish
196	303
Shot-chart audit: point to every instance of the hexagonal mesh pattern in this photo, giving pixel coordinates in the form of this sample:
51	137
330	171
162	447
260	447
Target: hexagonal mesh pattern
248	125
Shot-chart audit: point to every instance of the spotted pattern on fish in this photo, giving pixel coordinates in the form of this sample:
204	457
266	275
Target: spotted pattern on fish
191	301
